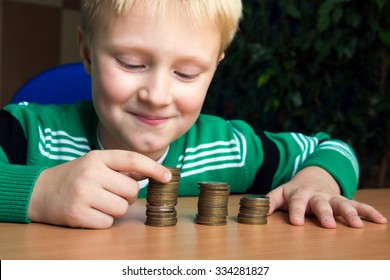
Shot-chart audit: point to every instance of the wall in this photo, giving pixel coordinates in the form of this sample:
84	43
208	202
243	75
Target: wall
35	35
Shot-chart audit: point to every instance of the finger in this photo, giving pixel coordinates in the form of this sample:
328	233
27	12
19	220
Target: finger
347	211
126	161
98	220
87	217
121	185
297	205
369	212
276	200
134	175
107	200
323	211
110	204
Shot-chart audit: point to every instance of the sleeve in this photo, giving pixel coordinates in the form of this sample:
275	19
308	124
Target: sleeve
16	179
337	158
285	154
16	185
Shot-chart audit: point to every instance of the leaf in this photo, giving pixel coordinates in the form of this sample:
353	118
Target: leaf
297	99
323	23
384	35
292	10
264	78
337	15
381	3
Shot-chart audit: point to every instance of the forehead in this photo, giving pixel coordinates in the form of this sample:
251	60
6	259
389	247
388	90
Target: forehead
171	39
192	19
139	25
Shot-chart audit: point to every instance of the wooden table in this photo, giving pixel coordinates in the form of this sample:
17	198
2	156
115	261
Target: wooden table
130	238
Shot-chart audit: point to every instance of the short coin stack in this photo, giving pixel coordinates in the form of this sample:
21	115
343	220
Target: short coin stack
161	201
253	209
212	203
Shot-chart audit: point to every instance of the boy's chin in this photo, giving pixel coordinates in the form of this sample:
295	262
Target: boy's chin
154	152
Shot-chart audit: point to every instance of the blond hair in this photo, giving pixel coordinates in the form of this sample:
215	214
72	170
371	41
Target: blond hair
226	14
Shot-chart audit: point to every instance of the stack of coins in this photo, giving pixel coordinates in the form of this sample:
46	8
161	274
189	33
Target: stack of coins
253	209
212	203
161	201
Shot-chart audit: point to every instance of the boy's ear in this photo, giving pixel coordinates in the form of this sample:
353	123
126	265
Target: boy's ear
222	56
84	50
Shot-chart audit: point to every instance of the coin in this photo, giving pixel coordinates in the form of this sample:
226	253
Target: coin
253	209
212	203
161	200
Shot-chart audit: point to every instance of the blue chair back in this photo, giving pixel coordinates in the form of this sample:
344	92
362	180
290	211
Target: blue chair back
63	84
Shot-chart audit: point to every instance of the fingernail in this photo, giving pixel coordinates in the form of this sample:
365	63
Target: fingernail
298	218
328	219
356	219
381	217
168	176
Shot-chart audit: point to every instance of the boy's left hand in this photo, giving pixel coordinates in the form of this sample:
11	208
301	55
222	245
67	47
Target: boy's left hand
315	191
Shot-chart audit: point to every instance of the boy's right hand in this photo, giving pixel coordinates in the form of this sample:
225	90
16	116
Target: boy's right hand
92	190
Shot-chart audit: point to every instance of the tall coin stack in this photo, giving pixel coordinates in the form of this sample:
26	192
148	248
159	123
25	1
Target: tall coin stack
212	203
253	209
161	201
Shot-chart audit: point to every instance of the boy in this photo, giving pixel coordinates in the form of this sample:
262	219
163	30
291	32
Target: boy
151	63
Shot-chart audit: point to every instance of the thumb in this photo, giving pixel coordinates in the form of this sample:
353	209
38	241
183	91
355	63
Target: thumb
277	200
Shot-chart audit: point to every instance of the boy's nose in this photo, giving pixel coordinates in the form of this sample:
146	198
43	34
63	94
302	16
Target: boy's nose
157	89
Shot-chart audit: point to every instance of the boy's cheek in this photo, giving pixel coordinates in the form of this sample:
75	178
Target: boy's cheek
112	87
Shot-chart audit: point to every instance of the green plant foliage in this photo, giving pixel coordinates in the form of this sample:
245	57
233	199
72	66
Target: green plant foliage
313	66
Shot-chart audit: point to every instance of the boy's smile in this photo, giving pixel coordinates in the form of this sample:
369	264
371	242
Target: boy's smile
151	120
150	77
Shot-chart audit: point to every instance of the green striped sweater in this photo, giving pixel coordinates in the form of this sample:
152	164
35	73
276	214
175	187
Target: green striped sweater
35	137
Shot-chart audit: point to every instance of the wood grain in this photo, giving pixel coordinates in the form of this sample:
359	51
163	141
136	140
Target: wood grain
130	238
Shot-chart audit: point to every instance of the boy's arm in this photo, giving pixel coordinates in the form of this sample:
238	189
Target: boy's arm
298	151
16	184
324	178
314	191
89	191
16	179
312	175
283	155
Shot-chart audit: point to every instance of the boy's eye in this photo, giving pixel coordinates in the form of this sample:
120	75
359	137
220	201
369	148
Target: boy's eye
186	76
131	66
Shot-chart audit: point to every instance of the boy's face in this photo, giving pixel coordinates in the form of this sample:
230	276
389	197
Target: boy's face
150	78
